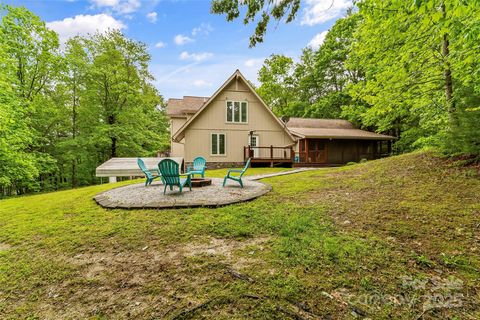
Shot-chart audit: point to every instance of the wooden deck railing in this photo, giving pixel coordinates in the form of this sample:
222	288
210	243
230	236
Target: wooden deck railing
271	153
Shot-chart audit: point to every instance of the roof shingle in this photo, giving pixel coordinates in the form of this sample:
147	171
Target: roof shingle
330	129
187	105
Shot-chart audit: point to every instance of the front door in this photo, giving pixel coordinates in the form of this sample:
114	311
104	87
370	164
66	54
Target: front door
254	142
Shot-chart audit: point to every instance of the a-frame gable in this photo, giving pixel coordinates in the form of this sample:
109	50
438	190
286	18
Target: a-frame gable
178	136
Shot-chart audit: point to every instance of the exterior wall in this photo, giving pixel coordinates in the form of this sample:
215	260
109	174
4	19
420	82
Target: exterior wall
177	149
213	120
220	165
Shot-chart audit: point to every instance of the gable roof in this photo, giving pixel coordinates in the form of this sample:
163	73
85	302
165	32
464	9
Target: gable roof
330	129
180	108
237	74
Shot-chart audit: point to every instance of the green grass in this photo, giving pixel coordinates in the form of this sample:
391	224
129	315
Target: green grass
374	240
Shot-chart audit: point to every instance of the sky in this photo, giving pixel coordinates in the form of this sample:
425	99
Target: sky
193	51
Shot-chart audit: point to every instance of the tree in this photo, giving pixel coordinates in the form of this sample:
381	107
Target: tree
277	83
30	49
407	52
71	92
316	85
119	86
264	8
16	165
409	69
329	73
64	113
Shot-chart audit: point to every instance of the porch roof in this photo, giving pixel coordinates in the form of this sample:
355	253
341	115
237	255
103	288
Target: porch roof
125	167
337	133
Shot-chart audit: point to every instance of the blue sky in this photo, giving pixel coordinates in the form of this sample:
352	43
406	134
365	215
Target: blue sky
193	51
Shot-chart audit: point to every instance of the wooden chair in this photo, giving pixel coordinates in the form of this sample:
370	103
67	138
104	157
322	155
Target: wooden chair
199	166
149	175
169	170
239	177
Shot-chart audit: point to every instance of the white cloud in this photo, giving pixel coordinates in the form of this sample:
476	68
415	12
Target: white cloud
105	3
180	39
160	44
119	6
254	62
83	25
201	56
204	28
202	83
152	16
320	11
317	41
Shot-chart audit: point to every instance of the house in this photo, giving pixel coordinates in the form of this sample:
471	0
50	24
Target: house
235	124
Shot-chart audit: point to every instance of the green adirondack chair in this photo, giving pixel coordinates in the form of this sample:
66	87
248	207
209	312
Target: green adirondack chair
149	175
239	177
169	170
199	166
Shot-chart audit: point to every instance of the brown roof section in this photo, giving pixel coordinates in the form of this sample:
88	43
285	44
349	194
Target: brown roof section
187	105
319	123
330	129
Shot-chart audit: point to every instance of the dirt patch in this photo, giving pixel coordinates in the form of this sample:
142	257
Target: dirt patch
4	246
148	282
223	247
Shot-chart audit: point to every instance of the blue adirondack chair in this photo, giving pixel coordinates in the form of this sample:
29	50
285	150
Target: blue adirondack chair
239	177
169	170
149	175
199	166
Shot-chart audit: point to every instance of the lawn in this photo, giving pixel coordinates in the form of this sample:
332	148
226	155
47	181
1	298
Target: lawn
393	238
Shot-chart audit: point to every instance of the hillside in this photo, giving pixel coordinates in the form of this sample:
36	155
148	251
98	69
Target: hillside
392	238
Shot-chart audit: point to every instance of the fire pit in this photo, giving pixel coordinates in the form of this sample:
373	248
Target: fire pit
201	182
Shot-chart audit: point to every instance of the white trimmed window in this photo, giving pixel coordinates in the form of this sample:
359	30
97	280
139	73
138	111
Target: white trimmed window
218	144
237	111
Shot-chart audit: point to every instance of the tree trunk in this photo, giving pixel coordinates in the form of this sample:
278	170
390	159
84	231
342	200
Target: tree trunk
113	148
447	71
74	173
74	128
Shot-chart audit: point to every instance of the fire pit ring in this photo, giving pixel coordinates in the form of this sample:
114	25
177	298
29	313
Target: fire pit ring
201	182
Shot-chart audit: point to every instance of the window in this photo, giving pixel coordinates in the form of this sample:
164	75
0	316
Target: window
218	144
237	111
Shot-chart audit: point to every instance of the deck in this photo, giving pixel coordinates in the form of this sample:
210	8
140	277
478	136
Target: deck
270	155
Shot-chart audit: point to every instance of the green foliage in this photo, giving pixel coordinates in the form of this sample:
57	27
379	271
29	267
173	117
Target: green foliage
262	8
409	53
63	113
277	83
406	68
28	59
316	85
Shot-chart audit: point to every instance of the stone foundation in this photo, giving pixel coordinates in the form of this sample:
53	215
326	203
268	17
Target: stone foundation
219	165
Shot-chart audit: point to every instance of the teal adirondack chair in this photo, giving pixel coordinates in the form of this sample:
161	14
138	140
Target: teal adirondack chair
199	166
236	178
169	170
149	175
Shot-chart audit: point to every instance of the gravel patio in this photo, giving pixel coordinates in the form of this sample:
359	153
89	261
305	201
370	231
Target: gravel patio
138	196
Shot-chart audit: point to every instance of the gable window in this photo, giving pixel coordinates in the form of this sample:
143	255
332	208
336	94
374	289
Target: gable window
237	111
218	144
